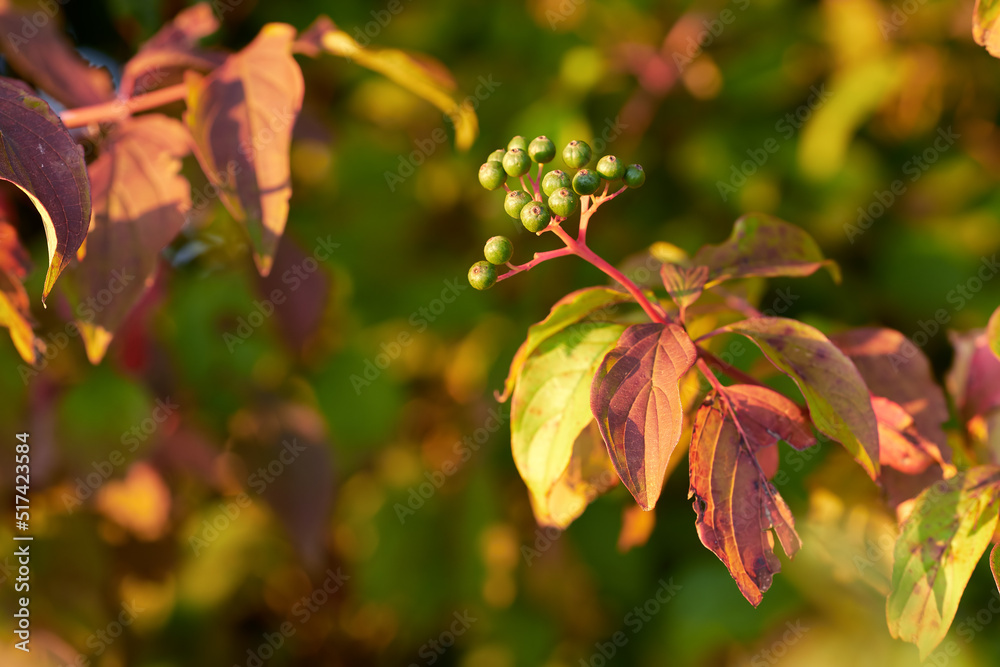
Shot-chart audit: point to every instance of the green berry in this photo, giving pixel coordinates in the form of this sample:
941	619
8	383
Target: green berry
518	142
610	167
482	275
492	175
542	150
499	249
496	156
515	201
577	154
563	202
634	176
535	217
516	162
555	180
586	182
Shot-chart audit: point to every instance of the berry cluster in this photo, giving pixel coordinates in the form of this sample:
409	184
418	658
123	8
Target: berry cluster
549	200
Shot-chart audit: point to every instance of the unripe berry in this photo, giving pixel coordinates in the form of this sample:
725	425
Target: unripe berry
515	201
518	142
496	156
516	162
577	154
586	182
555	180
634	176
499	249
535	217
541	150
482	275
563	202
610	167
492	175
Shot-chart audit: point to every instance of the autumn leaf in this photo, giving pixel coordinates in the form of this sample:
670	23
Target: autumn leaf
995	565
838	399
636	401
15	315
762	245
984	25
551	401
588	475
937	550
40	52
900	444
568	310
974	377
684	285
173	49
241	117
736	506
637	526
140	204
40	157
993	332
407	70
14	259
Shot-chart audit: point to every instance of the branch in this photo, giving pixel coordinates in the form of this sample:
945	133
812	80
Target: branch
119	109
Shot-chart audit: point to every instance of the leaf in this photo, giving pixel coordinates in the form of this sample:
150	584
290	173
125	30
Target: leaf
984	24
637	403
974	377
736	505
241	117
550	406
637	526
588	475
14	259
684	284
15	315
171	50
404	69
900	446
766	417
838	399
762	245
993	332
40	157
140	204
568	310
995	565
938	548
40	52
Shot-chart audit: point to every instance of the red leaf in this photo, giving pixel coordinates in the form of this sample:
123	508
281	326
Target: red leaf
140	205
241	117
172	50
637	403
39	156
899	444
767	416
684	284
736	505
974	378
43	55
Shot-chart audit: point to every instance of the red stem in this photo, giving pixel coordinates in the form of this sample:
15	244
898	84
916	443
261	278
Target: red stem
118	109
538	259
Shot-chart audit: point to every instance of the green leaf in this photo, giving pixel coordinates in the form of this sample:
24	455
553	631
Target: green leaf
937	550
568	310
762	245
993	332
984	25
38	155
551	404
838	399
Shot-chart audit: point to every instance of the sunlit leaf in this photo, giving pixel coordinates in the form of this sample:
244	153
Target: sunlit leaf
937	550
568	310
241	116
39	51
684	284
171	50
993	332
837	397
636	401
984	25
762	245
15	315
39	156
408	71
995	564
637	526
551	401
736	506
140	205
900	445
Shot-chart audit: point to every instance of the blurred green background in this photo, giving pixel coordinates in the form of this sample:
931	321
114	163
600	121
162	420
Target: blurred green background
165	564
